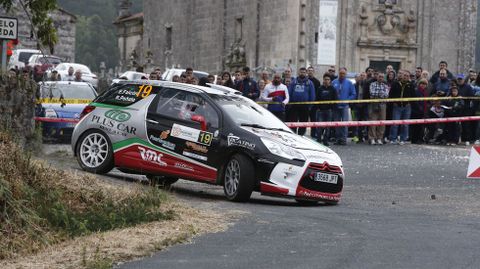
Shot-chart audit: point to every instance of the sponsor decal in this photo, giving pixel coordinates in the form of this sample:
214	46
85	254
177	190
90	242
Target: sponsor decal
164	134
151	156
195	156
289	172
196	147
191	134
117	115
184	166
233	140
216	133
113	127
163	143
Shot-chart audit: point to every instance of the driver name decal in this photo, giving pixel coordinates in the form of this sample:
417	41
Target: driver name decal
151	156
233	140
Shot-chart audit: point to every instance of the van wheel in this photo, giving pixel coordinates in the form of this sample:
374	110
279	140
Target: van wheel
239	178
94	152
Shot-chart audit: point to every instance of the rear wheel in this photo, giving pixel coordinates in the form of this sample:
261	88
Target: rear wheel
239	178
94	152
161	180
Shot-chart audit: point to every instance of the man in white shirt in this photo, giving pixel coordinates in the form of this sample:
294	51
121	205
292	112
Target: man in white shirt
276	92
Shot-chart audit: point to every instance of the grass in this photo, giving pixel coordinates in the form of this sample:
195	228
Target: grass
40	206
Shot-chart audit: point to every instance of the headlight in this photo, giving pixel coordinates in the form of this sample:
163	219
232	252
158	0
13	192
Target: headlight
282	150
50	113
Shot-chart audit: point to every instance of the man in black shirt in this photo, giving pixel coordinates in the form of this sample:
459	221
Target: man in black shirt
326	92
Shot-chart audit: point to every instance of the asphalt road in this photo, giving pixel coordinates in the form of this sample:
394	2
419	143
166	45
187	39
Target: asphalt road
403	207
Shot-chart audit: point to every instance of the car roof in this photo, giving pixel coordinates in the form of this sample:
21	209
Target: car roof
213	89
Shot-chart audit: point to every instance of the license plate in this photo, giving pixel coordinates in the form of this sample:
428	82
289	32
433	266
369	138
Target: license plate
327	178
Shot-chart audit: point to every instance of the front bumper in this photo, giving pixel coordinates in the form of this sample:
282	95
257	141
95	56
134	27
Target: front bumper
299	182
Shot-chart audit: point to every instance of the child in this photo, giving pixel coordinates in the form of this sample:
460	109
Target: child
435	131
455	109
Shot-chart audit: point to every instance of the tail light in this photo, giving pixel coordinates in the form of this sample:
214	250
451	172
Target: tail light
86	110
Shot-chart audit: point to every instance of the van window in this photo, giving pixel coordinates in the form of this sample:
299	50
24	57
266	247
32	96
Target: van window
24	56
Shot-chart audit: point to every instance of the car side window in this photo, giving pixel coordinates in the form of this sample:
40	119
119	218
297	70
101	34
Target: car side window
183	105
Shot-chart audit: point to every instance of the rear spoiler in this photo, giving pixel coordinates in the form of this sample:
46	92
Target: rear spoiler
224	89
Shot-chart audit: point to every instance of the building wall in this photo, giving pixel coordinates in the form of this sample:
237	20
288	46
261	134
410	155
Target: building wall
277	33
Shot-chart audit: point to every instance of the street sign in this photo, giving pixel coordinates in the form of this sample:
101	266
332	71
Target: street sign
474	163
8	28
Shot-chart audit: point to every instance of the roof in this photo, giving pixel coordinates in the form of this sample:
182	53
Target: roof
68	13
136	16
215	89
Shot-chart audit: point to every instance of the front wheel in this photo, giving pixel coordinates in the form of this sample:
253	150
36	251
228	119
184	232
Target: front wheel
239	178
94	152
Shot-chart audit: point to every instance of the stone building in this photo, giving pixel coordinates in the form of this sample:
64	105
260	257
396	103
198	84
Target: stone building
64	23
130	35
213	35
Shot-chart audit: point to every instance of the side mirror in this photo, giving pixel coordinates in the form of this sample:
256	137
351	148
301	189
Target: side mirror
200	119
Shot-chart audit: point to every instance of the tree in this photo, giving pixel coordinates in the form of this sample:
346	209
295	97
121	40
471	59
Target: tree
37	11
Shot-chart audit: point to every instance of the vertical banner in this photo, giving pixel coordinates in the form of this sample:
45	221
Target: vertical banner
327	32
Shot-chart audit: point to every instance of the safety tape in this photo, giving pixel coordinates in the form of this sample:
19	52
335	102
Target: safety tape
45	119
378	122
389	100
64	101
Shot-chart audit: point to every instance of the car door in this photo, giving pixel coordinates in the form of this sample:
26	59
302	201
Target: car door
184	147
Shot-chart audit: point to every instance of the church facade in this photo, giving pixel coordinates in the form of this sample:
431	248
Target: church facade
216	35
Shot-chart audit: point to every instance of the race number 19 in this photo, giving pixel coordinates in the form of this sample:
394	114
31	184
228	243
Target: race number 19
205	138
144	91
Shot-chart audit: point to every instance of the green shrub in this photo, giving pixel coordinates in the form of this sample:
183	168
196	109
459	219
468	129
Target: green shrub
40	205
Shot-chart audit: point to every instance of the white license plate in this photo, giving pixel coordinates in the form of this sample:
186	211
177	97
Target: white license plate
327	178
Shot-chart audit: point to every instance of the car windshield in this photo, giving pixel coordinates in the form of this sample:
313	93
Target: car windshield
84	69
49	60
245	112
67	91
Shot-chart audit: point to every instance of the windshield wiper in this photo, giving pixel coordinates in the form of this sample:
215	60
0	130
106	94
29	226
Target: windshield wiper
254	125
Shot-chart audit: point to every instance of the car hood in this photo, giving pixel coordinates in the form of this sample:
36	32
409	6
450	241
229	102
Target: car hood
313	151
67	111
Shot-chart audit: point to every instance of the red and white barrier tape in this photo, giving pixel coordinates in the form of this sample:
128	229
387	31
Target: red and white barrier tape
328	123
378	122
67	120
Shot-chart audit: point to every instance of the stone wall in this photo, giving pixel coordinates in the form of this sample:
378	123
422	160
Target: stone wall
17	108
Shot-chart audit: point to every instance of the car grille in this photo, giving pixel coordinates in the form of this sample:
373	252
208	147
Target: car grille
309	183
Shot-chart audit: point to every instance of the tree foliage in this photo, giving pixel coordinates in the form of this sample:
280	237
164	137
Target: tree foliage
38	11
96	39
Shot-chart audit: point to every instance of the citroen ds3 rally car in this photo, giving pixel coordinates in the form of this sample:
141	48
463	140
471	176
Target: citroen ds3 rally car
167	131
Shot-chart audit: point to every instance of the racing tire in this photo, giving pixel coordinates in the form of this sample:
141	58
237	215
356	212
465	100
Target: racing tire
94	152
239	178
306	202
161	180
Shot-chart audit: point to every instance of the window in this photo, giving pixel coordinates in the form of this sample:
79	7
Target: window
126	94
168	38
238	29
393	2
183	105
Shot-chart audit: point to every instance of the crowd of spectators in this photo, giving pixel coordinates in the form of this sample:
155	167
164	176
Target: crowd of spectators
278	90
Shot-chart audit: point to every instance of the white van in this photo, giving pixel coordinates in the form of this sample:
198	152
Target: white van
20	57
